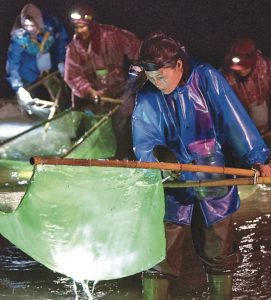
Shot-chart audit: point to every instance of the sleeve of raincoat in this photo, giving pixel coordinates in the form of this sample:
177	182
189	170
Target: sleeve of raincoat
234	125
62	42
15	51
129	42
269	81
61	37
147	126
74	74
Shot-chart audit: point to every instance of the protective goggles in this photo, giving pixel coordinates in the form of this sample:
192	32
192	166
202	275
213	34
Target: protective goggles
150	66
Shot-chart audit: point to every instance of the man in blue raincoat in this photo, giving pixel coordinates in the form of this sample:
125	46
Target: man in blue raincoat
187	111
37	47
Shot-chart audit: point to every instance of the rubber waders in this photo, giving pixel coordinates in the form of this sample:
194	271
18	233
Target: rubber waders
155	286
220	286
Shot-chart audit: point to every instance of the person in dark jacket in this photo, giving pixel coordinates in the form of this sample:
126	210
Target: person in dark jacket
37	47
187	112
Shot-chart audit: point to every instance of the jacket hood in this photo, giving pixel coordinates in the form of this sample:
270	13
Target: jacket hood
29	11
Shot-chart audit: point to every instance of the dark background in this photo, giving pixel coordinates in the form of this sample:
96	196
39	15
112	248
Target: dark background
204	26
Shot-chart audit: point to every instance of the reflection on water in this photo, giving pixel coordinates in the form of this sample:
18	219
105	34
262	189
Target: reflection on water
23	278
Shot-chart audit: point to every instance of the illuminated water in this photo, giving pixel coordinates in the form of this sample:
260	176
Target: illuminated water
23	278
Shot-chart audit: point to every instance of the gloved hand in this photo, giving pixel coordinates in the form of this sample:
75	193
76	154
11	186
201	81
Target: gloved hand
24	96
61	68
25	100
164	154
168	175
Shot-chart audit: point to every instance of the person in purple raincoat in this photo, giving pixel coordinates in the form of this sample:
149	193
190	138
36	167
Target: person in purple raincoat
187	112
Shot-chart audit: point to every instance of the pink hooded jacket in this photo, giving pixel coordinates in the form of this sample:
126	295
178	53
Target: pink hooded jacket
100	64
255	91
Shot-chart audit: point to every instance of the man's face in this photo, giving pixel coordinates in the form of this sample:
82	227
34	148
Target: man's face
30	27
166	79
82	30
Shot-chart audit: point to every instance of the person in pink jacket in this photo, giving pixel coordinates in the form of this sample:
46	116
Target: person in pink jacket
248	71
94	67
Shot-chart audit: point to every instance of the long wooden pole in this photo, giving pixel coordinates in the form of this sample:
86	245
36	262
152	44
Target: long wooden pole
35	126
91	130
213	183
43	102
111	100
41	81
143	165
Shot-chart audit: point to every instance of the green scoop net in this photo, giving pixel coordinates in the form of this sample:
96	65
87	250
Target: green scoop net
71	134
90	223
60	137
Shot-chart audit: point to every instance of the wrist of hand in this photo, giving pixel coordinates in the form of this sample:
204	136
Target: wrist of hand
91	93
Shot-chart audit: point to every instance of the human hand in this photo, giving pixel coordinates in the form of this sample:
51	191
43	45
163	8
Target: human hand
163	154
265	170
61	68
169	175
93	93
24	96
96	95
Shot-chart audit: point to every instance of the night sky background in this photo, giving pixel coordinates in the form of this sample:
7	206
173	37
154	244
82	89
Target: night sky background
205	27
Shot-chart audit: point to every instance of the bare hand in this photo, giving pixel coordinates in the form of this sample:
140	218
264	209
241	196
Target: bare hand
96	93
265	170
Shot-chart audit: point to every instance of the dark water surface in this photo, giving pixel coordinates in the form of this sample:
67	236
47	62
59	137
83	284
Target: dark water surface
23	278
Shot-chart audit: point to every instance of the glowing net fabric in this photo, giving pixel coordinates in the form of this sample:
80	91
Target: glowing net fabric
60	135
61	138
93	223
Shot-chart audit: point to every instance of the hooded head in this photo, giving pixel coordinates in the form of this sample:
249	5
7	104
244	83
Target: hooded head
242	56
31	18
83	20
83	15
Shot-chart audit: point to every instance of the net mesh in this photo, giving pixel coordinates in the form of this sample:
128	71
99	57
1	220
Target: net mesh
58	136
72	134
90	223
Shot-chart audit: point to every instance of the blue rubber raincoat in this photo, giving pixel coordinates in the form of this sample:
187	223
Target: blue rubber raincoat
206	109
21	63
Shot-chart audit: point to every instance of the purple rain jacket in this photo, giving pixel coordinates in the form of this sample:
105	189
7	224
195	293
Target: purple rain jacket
207	108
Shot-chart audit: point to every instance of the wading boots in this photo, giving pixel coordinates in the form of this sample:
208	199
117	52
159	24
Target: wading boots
220	286
155	285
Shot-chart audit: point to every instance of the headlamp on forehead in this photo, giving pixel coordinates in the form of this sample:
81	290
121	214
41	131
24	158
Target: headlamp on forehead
151	66
235	59
239	61
76	16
